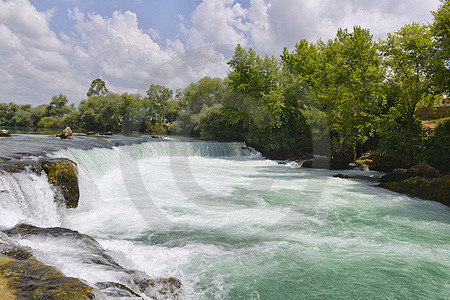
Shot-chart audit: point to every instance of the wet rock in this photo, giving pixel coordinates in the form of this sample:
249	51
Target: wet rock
422	170
23	277
377	160
16	165
436	189
107	133
66	134
63	174
395	175
331	163
341	176
114	289
131	283
5	133
90	133
169	288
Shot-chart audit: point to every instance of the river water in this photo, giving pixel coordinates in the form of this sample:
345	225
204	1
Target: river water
233	225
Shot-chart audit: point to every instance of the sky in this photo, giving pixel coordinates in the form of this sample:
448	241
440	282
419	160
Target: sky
48	47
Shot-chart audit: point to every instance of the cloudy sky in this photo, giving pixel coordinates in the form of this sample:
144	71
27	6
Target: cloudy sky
49	47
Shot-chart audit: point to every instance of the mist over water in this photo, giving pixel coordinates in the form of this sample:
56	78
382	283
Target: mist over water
233	225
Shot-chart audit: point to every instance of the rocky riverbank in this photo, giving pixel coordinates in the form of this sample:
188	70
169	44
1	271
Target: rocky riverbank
422	181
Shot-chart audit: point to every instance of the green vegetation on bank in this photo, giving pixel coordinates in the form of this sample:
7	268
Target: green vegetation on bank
340	97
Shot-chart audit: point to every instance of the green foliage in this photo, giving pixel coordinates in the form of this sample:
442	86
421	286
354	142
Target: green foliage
437	150
408	55
98	88
22	118
73	120
403	139
58	107
440	30
158	97
101	113
49	122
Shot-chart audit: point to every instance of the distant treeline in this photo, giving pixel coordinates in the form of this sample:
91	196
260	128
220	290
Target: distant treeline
351	92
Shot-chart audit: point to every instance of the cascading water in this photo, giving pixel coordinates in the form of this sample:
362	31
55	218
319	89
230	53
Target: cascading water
232	225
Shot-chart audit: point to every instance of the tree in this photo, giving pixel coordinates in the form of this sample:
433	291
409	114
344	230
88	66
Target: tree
58	106
409	56
440	30
22	118
101	112
98	88
49	122
345	74
158	97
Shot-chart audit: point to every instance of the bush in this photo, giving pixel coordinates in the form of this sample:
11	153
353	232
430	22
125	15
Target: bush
49	122
437	153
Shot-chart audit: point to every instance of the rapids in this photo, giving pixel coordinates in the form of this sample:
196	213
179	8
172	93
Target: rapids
233	225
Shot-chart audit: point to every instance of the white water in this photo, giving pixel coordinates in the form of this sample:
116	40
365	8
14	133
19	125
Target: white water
232	225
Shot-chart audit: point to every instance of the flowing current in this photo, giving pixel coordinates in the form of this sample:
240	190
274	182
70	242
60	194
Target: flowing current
233	225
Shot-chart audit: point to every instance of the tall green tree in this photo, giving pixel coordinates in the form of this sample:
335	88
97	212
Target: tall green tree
98	88
345	74
440	30
159	97
58	107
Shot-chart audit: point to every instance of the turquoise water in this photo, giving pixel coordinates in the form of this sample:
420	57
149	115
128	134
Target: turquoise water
233	225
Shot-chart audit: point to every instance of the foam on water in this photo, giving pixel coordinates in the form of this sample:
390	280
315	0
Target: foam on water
27	198
232	225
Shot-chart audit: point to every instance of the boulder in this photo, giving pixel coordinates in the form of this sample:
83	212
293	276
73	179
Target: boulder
422	170
436	189
62	173
342	176
395	175
377	160
23	277
4	133
66	134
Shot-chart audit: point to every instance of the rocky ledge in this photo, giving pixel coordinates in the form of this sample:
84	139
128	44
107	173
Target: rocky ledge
24	277
422	181
61	173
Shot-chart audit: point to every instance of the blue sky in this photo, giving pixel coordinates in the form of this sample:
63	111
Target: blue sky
49	47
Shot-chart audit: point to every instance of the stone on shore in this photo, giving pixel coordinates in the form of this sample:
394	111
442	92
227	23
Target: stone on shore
436	189
5	133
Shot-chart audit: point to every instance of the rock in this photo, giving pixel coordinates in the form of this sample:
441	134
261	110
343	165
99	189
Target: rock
377	160
4	133
90	133
331	163
422	170
20	165
132	283
107	133
163	287
436	189
341	176
23	277
62	173
66	134
395	175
